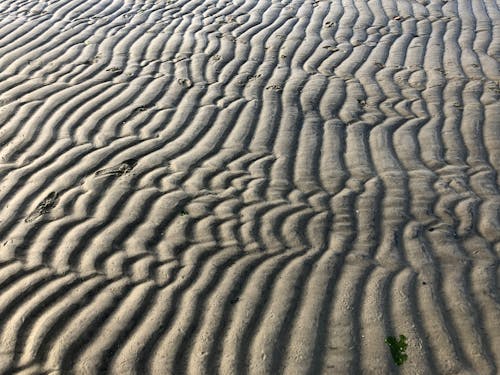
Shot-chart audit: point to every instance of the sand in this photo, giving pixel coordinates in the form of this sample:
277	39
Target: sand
249	186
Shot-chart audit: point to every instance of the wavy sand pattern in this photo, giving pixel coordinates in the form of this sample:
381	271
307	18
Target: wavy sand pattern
249	186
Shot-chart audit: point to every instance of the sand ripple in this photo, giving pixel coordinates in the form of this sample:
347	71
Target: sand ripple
249	186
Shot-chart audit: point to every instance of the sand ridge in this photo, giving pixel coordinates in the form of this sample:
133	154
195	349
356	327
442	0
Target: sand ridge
249	186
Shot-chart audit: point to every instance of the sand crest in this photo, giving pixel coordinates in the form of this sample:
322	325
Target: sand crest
249	186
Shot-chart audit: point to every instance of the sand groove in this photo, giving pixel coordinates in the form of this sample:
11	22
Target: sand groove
249	187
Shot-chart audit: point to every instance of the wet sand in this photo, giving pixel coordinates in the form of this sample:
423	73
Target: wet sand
249	187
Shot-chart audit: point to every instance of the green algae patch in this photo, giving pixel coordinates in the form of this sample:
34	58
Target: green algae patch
398	348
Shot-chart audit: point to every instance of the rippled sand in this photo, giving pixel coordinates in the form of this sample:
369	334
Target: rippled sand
249	186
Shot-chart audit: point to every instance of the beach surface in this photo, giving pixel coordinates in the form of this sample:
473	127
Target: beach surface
249	186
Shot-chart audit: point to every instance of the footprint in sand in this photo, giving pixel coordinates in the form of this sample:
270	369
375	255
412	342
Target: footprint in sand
119	169
48	203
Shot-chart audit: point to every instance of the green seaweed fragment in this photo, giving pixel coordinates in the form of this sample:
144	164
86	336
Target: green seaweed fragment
398	348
